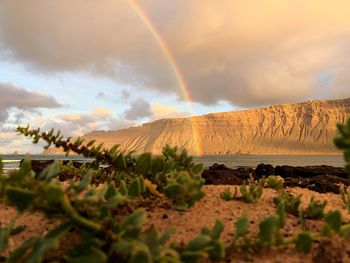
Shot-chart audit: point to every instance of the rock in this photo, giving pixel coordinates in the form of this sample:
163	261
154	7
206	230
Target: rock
322	186
332	179
295	182
39	165
221	177
319	183
286	171
224	175
264	170
217	166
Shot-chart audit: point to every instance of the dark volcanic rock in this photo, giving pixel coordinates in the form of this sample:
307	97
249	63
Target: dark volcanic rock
39	165
227	175
217	166
322	179
264	170
287	171
319	183
220	177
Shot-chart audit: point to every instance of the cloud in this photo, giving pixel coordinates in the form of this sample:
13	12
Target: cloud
101	95
16	97
138	109
160	111
125	94
13	96
246	52
141	108
79	124
102	112
11	142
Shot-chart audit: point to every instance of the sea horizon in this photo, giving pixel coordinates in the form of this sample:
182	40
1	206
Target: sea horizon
11	161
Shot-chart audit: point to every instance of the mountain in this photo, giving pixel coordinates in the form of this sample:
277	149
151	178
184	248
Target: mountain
306	128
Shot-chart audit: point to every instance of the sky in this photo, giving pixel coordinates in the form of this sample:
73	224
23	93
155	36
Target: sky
84	65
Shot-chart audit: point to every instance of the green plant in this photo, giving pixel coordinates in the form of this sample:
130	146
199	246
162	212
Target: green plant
173	174
90	212
315	209
110	227
272	181
227	195
342	141
291	203
184	189
251	193
345	196
206	245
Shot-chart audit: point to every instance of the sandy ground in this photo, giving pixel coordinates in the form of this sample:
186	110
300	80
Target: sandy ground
188	224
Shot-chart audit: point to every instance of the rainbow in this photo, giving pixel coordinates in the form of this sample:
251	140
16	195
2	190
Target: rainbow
172	62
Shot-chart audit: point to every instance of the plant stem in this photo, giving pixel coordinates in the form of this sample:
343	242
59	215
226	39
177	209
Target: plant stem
76	218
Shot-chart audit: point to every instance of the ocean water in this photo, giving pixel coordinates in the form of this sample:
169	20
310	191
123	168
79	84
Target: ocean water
253	160
12	161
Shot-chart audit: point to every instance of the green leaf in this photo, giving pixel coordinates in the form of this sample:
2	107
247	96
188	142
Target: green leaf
116	201
193	256
135	220
345	231
25	168
198	169
166	235
4	236
172	190
199	243
120	162
92	255
53	193
50	241
90	143
218	251
267	229
137	186
151	240
143	163
111	191
158	164
19	197
50	171
304	242
217	230
21	250
140	254
123	188
242	226
86	181
281	214
333	220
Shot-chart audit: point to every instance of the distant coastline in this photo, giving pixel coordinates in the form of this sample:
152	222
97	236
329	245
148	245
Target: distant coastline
300	129
208	160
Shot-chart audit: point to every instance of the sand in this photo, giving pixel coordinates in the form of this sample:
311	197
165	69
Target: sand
188	224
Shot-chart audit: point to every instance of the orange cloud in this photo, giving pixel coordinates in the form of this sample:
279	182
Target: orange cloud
246	52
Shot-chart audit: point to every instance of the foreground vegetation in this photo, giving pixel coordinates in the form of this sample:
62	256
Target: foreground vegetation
104	207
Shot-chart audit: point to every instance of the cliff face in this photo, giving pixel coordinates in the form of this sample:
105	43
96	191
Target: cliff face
291	129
